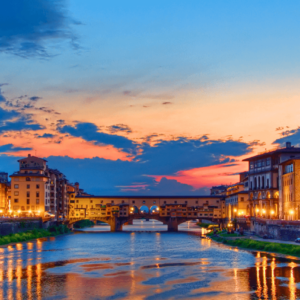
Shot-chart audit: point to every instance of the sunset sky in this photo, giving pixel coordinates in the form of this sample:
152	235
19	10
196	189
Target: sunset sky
148	96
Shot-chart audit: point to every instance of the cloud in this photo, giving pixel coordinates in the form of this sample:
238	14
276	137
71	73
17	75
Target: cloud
90	133
27	26
6	115
11	148
35	98
2	98
168	157
46	136
165	103
16	121
292	136
119	128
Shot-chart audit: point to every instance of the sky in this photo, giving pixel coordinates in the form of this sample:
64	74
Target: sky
148	97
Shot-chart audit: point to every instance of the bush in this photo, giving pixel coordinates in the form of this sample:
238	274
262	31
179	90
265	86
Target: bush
83	224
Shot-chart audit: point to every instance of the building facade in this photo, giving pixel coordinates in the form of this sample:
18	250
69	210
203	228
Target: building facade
264	178
30	188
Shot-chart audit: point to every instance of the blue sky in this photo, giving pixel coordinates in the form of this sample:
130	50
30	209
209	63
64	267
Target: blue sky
160	90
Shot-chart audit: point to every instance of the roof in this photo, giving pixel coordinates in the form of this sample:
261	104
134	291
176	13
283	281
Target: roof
27	175
289	160
277	151
237	193
32	157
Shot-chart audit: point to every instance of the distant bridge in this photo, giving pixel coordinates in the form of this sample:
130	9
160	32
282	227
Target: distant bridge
171	211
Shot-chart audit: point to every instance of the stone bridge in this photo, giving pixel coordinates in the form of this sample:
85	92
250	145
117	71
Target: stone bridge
116	223
171	211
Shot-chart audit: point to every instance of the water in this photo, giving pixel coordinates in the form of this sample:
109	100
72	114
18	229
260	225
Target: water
143	265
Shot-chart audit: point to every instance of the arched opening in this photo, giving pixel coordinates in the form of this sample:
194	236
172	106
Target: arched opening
154	209
144	209
134	210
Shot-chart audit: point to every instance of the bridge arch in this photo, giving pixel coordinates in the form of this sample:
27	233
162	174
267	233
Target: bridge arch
144	209
154	208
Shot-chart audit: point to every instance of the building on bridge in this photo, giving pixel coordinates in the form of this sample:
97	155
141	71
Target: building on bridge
171	210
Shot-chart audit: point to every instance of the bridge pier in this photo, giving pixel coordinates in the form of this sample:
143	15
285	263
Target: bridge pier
172	225
115	224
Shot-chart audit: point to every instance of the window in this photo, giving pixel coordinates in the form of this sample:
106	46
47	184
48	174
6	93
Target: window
267	183
16	200
28	179
91	201
28	201
197	202
133	202
175	202
27	194
16	186
37	186
16	193
251	165
16	179
28	186
38	194
185	202
87	206
268	162
242	199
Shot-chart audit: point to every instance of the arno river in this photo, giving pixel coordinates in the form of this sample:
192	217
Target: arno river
143	265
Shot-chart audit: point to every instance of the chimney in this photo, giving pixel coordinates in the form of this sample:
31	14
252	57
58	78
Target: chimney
29	155
288	145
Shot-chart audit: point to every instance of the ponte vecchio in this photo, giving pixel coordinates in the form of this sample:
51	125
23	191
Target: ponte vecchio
172	211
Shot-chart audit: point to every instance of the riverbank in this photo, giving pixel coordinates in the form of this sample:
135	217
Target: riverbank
33	234
252	244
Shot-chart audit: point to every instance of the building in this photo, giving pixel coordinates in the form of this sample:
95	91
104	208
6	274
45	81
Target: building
236	201
264	178
4	193
290	188
30	188
218	190
199	207
58	194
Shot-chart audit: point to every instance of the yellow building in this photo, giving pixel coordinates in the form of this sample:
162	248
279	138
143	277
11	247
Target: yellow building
290	189
30	188
237	205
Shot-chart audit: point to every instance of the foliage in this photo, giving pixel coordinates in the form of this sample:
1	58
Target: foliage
83	224
207	225
288	249
33	234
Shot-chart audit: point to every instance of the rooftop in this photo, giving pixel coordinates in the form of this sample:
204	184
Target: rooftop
287	149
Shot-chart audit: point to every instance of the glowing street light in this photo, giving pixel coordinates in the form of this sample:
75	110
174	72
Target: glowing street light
291	212
272	212
234	210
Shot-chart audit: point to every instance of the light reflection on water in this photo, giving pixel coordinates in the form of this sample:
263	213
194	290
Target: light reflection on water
143	265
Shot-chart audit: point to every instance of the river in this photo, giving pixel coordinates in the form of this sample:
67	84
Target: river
143	262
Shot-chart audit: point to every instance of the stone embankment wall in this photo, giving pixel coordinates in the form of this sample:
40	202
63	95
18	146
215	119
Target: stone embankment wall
278	231
15	226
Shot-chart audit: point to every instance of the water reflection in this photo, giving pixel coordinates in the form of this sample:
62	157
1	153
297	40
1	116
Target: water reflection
142	265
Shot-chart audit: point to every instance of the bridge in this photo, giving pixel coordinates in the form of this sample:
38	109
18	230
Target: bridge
171	211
